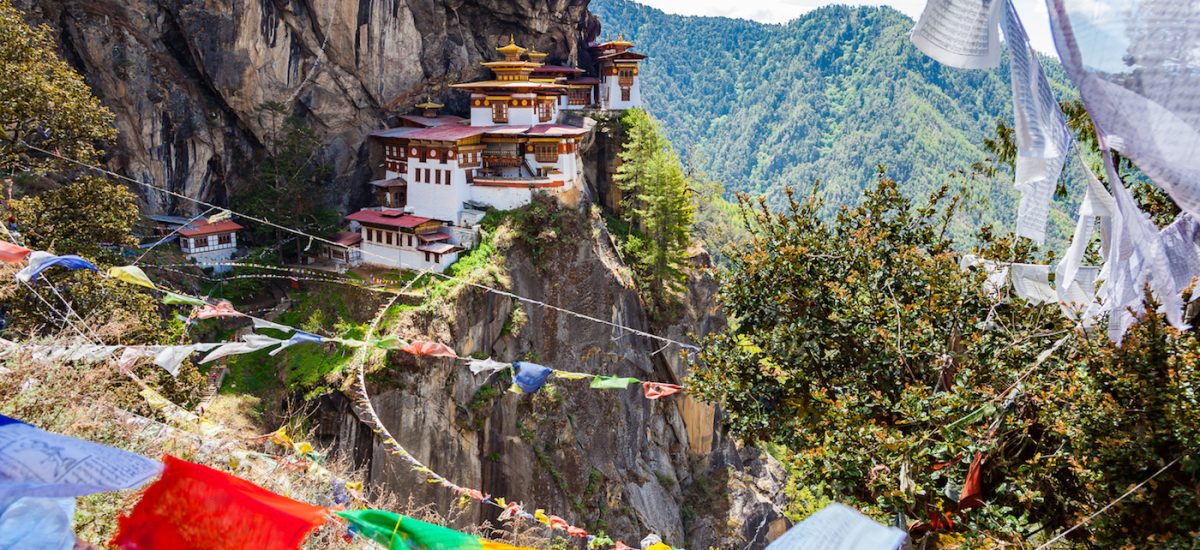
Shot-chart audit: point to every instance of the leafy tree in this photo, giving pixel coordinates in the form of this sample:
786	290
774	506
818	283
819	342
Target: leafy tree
79	218
43	101
287	190
886	373
658	204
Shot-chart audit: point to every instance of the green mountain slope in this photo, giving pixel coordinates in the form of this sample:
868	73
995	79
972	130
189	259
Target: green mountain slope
828	96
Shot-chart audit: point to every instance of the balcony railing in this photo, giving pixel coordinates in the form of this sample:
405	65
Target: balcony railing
504	160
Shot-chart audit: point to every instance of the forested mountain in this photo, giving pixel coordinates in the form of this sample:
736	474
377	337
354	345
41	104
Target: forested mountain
828	96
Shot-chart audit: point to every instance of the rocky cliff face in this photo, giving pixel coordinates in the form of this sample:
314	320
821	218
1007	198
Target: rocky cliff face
606	459
186	77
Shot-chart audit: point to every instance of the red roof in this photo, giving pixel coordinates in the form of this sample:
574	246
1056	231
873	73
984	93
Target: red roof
447	133
590	80
555	130
390	218
197	229
433	122
433	237
436	248
347	238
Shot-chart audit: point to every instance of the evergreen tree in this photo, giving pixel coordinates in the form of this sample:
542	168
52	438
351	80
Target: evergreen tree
289	177
658	206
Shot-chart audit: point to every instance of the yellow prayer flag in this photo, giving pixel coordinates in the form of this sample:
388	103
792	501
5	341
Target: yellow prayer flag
131	274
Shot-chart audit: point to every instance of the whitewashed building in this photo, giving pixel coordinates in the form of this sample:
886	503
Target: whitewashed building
205	242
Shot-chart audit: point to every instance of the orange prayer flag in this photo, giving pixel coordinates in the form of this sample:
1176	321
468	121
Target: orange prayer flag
12	253
195	507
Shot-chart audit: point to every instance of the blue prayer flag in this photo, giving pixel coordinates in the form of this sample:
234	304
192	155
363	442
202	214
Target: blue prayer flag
531	376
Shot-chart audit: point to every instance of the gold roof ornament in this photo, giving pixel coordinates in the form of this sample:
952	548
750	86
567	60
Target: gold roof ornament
512	52
429	104
620	41
536	56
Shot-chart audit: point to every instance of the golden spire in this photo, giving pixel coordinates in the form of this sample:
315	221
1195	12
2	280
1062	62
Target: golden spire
511	52
429	104
620	41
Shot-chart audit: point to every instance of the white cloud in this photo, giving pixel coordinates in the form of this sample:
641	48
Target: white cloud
1033	12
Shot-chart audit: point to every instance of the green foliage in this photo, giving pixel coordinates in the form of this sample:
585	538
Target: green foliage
860	346
658	205
288	187
827	96
78	218
43	101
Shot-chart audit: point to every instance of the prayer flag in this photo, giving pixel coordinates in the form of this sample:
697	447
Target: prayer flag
40	261
37	523
194	506
12	253
250	343
839	527
181	300
655	390
1132	62
960	33
566	375
37	463
431	349
488	365
972	491
131	274
612	382
397	532
1042	136
530	376
219	309
260	324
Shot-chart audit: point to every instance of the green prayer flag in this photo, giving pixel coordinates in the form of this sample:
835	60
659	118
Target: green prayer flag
387	343
613	382
181	300
398	532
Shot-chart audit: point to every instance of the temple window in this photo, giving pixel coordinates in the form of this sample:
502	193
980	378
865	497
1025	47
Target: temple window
546	152
499	111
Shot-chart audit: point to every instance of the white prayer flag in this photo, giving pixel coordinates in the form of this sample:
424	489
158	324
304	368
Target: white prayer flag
36	463
960	33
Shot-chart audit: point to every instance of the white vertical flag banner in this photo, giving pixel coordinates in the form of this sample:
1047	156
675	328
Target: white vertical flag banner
1041	131
1137	67
960	33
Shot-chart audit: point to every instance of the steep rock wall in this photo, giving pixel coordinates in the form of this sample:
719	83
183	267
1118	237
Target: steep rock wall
186	77
605	459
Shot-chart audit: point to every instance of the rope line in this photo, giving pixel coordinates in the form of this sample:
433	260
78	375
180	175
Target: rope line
367	253
1097	513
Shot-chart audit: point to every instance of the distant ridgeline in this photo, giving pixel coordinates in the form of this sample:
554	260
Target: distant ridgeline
828	96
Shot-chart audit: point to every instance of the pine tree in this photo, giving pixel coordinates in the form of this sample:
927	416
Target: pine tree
658	206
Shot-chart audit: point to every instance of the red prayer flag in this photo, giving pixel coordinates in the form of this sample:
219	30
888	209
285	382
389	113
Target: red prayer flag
972	492
655	390
197	507
431	349
12	253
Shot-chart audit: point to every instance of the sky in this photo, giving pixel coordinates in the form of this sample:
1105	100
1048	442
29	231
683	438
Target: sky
1033	12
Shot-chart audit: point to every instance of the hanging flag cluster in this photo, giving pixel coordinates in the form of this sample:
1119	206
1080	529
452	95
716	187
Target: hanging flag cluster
1144	112
140	527
189	506
530	377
